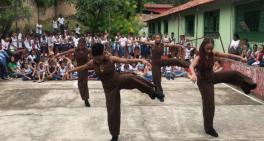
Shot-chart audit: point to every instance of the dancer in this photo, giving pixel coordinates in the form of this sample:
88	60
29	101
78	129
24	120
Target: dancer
113	82
157	62
81	54
202	72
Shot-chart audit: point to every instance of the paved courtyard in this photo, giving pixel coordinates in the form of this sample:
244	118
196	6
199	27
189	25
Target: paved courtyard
54	111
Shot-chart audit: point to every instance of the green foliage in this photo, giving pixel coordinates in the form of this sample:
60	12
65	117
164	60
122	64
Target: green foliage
47	27
45	3
7	14
105	15
174	2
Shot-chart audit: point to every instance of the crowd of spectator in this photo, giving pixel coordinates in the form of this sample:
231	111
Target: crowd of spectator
30	56
254	55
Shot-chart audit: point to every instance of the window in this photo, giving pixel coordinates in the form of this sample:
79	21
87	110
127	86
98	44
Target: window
166	27
211	23
151	28
252	20
249	20
189	25
159	27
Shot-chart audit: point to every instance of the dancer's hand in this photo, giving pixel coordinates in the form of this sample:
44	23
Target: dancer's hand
244	60
193	77
146	63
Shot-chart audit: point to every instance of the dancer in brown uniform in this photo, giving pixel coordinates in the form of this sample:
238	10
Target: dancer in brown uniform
158	62
113	82
81	54
202	72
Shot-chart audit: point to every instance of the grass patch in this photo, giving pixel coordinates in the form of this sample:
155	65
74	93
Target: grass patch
47	25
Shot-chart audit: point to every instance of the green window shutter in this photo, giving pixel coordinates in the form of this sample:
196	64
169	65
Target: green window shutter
189	25
159	27
211	23
166	27
249	20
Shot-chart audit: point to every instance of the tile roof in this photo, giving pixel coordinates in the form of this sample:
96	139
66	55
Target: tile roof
150	5
188	5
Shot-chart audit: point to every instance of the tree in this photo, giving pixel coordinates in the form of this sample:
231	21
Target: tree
44	4
7	14
105	15
174	2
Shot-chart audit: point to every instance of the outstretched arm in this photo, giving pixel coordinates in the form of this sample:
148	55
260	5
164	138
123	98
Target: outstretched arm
87	66
66	52
172	45
231	56
151	43
129	61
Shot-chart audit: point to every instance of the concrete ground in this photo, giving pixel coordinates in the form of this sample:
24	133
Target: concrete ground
54	111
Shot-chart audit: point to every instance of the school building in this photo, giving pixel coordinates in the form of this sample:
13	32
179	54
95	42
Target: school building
219	19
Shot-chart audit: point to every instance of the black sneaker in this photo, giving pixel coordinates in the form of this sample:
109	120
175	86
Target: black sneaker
160	96
212	132
152	96
86	103
253	86
248	89
114	138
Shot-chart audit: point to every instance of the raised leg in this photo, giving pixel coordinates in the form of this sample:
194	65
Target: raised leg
235	78
174	62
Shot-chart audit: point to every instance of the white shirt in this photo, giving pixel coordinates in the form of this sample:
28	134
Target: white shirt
39	29
54	24
62	71
75	41
27	44
14	41
168	69
50	41
44	40
104	41
134	69
123	41
19	36
116	38
123	69
129	42
96	40
166	39
32	57
53	39
188	53
234	44
89	39
4	44
78	30
61	20
143	39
